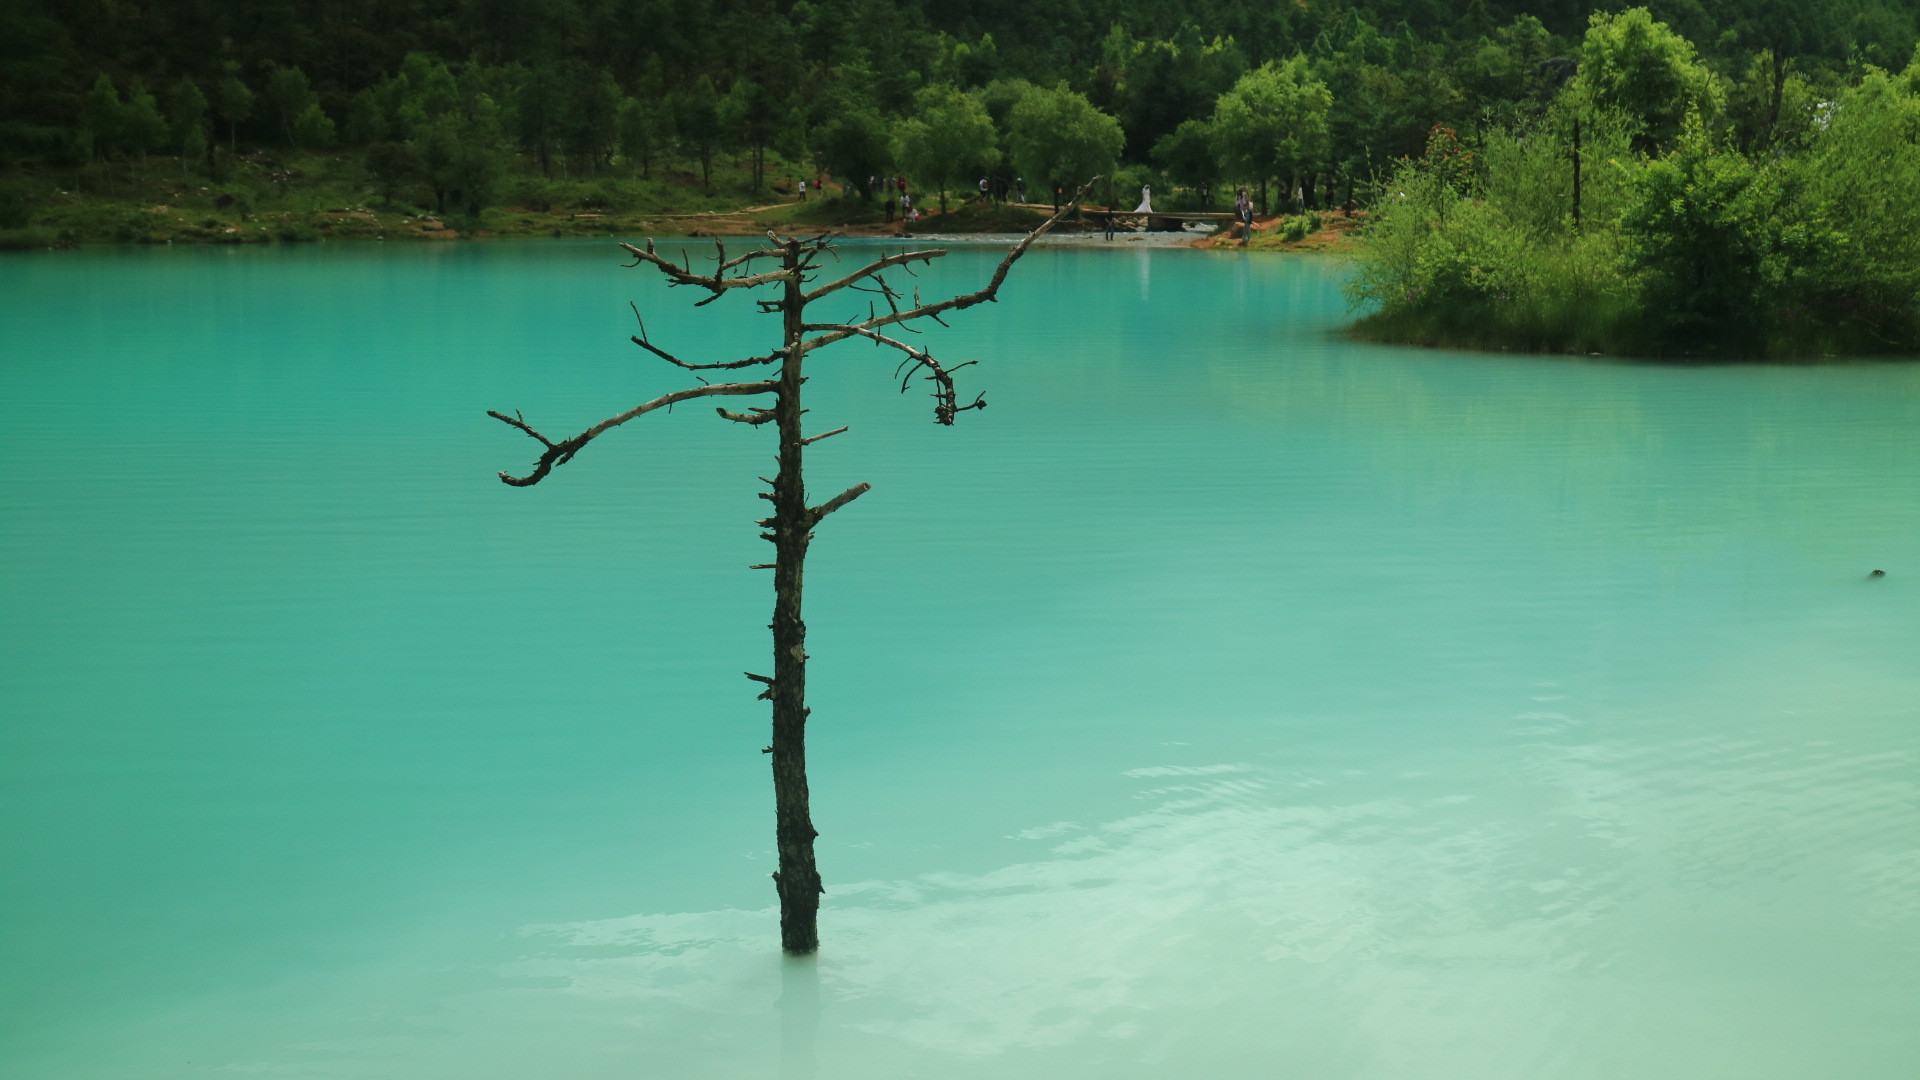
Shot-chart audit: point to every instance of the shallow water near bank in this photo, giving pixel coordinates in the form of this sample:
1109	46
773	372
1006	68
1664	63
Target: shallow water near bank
1227	698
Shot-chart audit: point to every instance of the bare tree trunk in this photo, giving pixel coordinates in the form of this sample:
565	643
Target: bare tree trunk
1779	87
798	879
1576	174
790	526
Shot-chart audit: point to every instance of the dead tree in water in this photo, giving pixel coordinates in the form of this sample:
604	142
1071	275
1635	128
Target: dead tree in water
793	265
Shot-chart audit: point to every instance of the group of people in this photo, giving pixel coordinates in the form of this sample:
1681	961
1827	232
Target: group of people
996	189
894	196
819	185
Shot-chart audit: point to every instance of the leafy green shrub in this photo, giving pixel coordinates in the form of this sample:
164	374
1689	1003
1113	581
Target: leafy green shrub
235	200
313	128
1482	251
608	197
837	210
131	227
16	209
1713	243
29	239
394	167
533	194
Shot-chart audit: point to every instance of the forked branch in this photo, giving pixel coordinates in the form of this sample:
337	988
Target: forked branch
945	394
873	268
958	303
642	340
559	453
717	282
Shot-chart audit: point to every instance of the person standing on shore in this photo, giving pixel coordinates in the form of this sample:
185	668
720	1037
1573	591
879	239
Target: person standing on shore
1243	210
803	191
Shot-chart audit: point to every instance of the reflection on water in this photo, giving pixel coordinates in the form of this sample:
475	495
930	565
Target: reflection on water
1243	704
799	1017
1249	918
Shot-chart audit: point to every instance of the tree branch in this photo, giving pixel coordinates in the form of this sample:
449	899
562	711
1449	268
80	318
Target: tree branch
818	512
822	435
957	303
641	340
559	453
946	399
873	268
716	282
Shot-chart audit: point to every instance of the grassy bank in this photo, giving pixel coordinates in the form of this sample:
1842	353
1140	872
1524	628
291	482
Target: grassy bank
264	196
267	196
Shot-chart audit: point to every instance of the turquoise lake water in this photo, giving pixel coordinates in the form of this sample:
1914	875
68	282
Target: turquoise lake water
1226	699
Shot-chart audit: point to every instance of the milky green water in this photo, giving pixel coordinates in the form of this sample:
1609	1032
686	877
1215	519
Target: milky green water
1227	699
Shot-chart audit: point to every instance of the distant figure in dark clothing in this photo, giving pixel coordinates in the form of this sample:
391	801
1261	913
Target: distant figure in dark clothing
1108	221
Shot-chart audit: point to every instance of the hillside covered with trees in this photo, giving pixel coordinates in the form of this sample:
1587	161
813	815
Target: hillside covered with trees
1491	137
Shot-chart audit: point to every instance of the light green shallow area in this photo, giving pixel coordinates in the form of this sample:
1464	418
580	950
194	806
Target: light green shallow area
1226	699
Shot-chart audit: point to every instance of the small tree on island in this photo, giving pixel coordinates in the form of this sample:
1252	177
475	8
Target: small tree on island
790	526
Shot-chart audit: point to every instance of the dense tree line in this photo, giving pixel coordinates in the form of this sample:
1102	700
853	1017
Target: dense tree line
1653	204
1313	97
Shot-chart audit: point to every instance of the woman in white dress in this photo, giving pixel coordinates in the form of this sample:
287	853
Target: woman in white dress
1146	200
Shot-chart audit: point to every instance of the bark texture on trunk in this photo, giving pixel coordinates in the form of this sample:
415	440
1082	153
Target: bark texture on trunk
798	879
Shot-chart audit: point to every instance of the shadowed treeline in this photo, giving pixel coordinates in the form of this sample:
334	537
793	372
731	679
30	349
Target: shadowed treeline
466	106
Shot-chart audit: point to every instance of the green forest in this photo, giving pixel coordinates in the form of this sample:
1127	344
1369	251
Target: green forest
1688	176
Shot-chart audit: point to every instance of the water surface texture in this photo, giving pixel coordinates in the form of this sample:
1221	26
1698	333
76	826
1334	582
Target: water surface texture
1226	699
